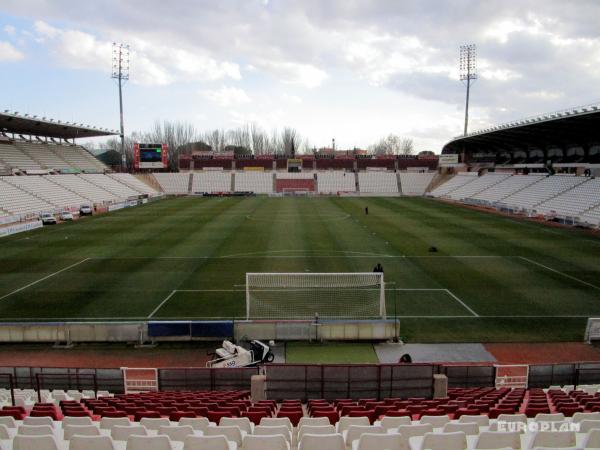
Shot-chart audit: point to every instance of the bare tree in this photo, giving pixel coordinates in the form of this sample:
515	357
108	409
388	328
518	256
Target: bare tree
259	138
392	145
407	146
275	145
216	139
177	136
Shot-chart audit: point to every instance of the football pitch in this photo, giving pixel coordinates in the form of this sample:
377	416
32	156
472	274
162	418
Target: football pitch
493	278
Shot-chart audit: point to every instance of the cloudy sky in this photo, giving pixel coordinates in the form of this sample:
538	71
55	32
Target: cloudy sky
351	69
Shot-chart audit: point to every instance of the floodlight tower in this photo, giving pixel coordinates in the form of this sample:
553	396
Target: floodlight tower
120	72
468	73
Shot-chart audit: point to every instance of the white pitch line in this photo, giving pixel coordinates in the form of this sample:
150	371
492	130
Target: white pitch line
255	256
162	303
461	302
566	275
45	278
142	318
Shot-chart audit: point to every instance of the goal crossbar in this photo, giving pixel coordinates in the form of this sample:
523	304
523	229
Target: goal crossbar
301	295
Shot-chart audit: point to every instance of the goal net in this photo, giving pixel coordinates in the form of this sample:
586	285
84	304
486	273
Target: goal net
302	295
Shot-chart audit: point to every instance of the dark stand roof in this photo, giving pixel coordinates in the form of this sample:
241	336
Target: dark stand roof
33	126
579	127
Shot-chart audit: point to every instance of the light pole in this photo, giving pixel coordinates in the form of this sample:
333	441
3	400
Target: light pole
468	73
120	71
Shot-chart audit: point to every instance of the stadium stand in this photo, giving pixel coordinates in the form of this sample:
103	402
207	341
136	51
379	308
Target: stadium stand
542	191
47	190
295	175
84	188
26	156
131	181
477	185
249	181
78	157
295	181
573	202
378	182
467	418
211	181
119	190
331	182
16	201
453	184
173	183
15	159
415	183
592	216
505	188
42	155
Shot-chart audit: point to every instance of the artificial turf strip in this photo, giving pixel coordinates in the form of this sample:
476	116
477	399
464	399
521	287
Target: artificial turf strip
330	353
196	251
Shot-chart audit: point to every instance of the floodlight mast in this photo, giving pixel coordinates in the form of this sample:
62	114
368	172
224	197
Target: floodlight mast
468	74
120	72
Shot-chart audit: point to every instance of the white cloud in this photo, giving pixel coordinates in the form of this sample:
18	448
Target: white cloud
379	57
226	96
151	65
45	30
10	30
305	75
289	98
9	53
544	95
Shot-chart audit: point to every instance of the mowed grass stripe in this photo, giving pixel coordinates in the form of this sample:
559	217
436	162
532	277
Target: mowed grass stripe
205	233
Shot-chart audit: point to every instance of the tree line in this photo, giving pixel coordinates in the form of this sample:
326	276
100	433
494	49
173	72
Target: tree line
182	138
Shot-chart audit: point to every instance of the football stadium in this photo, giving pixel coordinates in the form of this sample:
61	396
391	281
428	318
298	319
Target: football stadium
221	291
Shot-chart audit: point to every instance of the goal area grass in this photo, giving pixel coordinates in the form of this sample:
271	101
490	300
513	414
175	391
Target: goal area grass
493	278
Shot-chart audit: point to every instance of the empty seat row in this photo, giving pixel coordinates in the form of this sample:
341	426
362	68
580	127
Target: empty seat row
378	182
415	183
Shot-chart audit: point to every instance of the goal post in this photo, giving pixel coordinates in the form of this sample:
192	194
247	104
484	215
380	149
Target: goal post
301	295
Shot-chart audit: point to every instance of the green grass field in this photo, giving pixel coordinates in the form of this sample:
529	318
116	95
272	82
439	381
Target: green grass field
493	279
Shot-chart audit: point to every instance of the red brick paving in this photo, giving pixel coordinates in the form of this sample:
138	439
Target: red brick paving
558	352
165	355
104	356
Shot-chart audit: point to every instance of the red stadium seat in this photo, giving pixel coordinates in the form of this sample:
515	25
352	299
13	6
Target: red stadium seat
332	415
176	415
294	416
255	417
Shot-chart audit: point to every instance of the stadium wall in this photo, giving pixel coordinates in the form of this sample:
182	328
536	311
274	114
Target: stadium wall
160	331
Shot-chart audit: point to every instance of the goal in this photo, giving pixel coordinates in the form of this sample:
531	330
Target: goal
356	295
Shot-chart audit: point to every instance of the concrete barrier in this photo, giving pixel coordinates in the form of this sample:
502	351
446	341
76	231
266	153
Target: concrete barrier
141	331
338	330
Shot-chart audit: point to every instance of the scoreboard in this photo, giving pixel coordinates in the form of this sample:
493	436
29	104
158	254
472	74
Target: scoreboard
150	156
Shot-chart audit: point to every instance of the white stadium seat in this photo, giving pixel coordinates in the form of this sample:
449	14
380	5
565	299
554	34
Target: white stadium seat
91	443
387	441
135	442
444	441
44	442
333	182
415	183
378	182
211	181
269	442
122	433
322	442
218	442
258	182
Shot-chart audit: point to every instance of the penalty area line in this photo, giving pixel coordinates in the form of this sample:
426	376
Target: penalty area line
566	275
44	278
461	302
167	298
